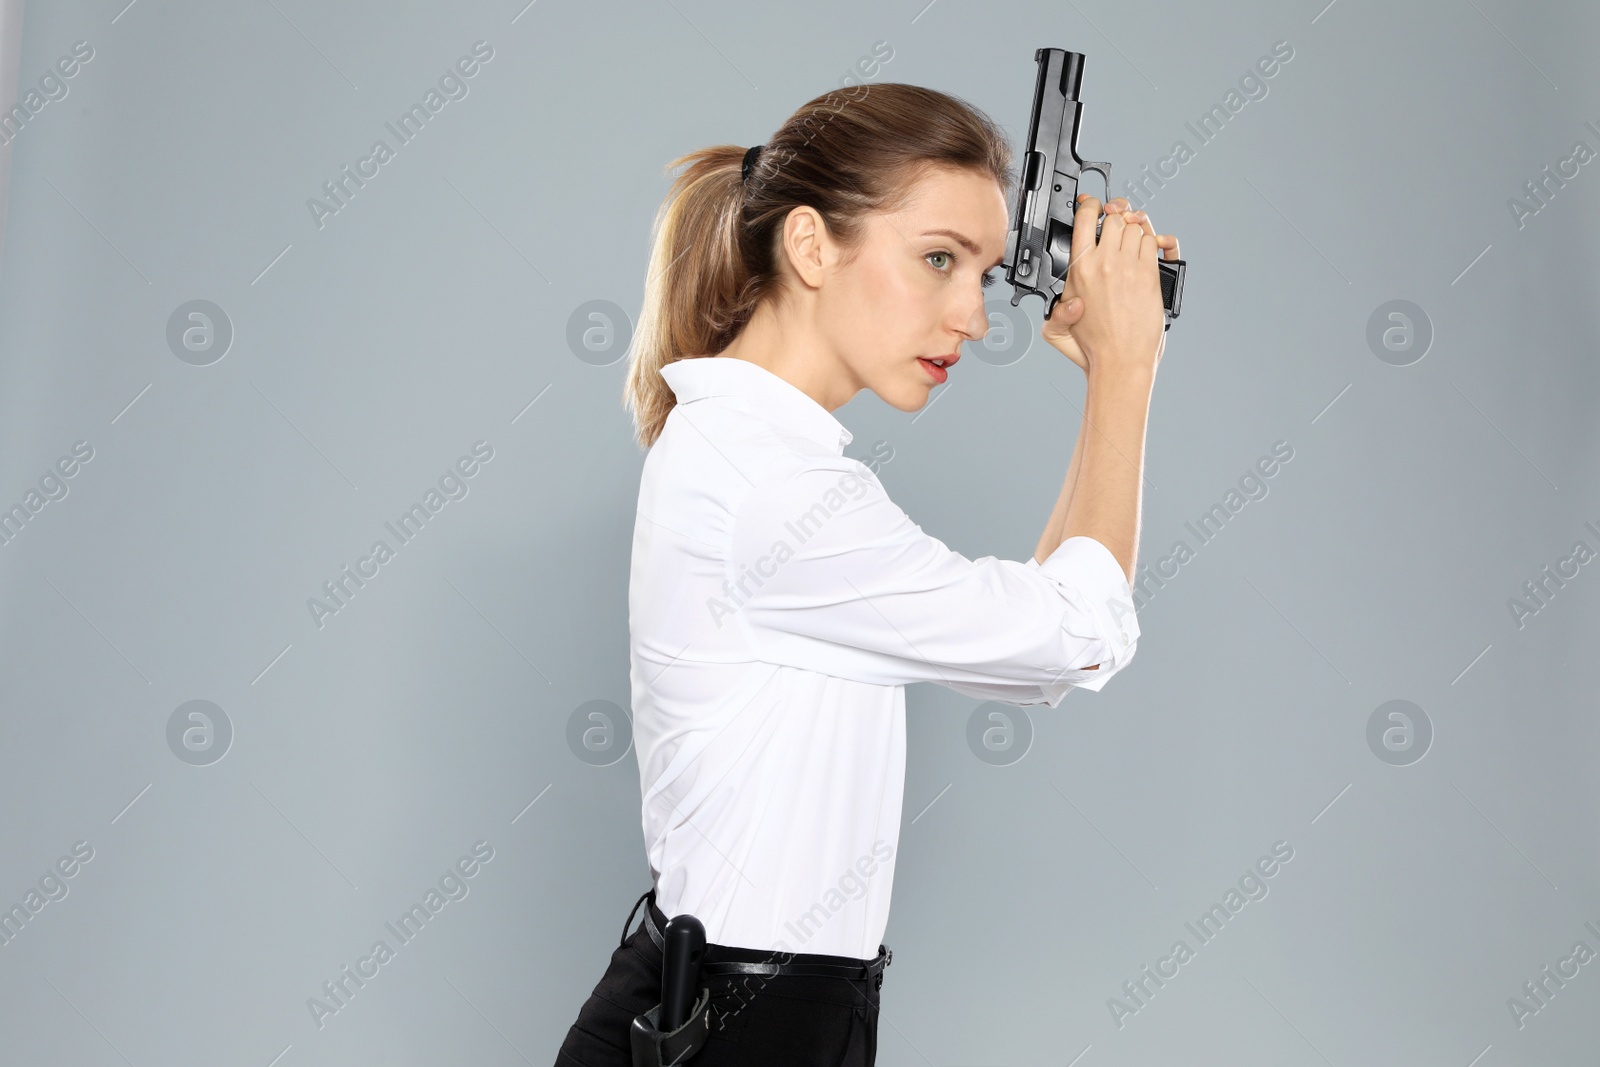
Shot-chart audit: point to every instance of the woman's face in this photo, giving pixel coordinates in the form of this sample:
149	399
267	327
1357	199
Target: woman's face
915	290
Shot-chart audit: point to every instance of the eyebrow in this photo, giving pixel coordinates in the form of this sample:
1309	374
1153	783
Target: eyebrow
965	242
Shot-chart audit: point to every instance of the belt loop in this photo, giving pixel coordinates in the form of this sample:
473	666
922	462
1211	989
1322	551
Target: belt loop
651	893
650	927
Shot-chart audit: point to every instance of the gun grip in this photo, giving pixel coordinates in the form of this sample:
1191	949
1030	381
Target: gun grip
1171	287
685	938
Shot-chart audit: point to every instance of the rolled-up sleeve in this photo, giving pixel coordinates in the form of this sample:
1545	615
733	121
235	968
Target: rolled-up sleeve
826	573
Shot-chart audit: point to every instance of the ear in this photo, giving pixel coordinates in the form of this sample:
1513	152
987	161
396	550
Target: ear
807	244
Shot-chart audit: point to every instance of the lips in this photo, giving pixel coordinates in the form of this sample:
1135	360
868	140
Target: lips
940	374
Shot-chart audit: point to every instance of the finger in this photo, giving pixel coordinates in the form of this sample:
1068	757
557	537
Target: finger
1067	312
1166	243
1111	229
1138	229
1144	222
1149	246
1137	243
1083	221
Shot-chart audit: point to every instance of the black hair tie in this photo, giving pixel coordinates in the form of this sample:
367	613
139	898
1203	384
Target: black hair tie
751	154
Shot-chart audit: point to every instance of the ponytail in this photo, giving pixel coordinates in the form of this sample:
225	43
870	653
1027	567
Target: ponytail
713	245
695	295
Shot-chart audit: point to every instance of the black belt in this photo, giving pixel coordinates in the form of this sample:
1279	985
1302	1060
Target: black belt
856	971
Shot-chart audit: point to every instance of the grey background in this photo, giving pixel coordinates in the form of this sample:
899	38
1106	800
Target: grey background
431	712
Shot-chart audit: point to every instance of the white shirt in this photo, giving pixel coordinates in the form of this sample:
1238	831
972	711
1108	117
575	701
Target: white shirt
778	604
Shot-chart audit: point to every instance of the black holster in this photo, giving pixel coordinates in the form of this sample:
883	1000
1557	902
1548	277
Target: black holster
682	947
652	1048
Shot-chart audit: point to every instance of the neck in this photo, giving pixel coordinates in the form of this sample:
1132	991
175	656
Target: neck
794	351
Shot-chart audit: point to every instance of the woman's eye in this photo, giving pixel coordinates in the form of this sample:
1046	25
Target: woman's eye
930	255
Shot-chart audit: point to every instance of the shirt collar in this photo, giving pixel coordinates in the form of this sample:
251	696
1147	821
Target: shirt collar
775	399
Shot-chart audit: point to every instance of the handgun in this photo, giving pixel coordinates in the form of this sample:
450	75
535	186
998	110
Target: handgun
1039	245
685	938
675	1030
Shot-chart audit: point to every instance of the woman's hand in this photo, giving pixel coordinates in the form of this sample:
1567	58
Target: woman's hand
1168	244
1057	328
1069	309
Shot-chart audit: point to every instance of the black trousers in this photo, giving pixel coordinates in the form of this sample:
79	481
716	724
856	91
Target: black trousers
780	1021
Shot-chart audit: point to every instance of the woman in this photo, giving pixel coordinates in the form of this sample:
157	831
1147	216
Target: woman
780	601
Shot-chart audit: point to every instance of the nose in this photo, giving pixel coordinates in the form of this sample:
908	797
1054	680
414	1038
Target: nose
976	324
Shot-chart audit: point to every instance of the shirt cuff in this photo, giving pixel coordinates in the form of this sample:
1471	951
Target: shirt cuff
1090	575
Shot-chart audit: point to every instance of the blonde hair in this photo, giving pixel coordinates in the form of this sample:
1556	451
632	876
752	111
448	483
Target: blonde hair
713	245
